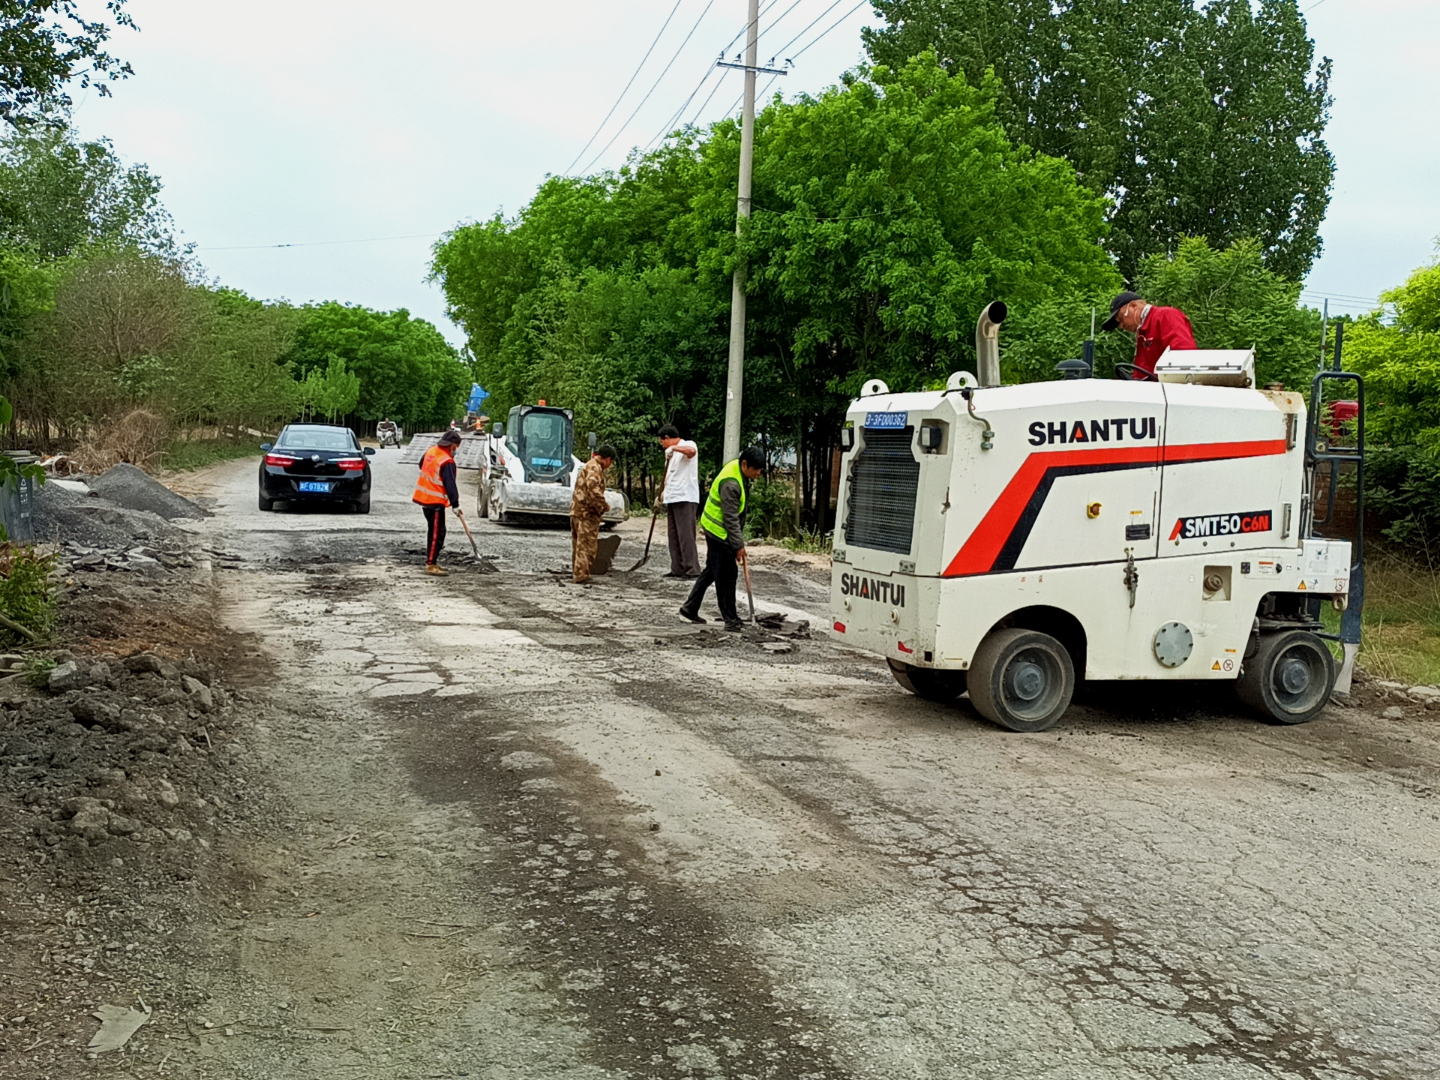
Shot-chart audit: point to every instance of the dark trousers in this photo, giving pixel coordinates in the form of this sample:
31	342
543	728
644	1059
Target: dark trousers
434	531
680	527
722	570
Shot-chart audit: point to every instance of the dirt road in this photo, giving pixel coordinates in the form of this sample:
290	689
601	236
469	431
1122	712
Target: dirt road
502	826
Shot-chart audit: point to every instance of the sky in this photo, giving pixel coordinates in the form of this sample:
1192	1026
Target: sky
356	136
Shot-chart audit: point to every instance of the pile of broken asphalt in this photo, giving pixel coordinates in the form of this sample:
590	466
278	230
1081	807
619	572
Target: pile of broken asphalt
119	520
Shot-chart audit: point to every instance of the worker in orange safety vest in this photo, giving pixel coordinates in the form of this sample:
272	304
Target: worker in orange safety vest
434	491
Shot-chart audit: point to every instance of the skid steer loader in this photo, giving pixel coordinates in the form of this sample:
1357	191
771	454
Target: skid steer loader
528	469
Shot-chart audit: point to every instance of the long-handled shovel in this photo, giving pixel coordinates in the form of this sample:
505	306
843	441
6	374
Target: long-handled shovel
653	515
473	547
749	592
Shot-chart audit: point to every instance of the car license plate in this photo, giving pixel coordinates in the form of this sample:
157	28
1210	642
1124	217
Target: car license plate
314	485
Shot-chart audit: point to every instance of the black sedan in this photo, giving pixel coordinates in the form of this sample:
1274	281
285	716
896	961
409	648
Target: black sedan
315	463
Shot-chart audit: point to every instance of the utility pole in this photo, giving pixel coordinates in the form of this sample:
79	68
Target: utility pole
735	378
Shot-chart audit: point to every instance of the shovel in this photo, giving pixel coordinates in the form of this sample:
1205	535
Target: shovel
749	593
466	526
653	515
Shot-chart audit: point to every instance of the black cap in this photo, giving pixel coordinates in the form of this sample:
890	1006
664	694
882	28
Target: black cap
1120	301
450	438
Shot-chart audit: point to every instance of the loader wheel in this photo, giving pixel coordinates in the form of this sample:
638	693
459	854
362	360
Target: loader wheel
1289	678
932	685
1021	679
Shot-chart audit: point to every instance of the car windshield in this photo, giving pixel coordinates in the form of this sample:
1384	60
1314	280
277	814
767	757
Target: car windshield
544	440
316	438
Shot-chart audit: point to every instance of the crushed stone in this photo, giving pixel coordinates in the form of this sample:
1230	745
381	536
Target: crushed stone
133	489
61	515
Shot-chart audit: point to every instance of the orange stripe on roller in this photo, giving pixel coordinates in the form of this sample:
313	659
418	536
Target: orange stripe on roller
979	552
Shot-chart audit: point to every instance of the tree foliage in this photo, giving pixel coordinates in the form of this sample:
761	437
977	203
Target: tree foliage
1235	302
58	195
1400	359
331	391
888	210
407	370
1194	120
47	44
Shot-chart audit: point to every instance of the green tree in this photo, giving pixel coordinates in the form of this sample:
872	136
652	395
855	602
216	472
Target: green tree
59	195
1235	302
888	210
1399	356
47	44
1400	359
1193	121
407	370
332	391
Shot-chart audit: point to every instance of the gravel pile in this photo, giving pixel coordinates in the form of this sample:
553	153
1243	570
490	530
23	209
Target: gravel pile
86	521
131	488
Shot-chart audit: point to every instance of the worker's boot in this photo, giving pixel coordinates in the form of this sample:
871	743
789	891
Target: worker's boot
691	616
435	570
734	625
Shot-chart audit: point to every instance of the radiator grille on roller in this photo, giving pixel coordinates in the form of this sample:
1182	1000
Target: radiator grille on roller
883	480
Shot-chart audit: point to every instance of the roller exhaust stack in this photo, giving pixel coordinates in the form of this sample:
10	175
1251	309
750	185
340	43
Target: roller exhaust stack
987	344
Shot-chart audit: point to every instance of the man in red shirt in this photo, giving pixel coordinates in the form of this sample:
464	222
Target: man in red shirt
1155	328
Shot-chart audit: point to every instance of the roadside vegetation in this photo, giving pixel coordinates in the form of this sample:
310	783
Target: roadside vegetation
114	340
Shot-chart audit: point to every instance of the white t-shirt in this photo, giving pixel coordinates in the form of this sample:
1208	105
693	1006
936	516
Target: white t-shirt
682	478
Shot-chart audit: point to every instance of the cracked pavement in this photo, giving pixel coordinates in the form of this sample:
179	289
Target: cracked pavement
669	852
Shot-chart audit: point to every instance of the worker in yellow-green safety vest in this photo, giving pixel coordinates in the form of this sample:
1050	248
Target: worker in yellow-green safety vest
723	522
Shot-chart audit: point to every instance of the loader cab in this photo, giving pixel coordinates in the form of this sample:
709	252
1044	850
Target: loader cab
543	438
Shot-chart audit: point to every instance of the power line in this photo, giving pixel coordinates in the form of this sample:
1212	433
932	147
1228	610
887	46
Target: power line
1342	296
837	22
707	101
633	77
652	89
773	23
781	51
322	243
798	36
746	27
669	125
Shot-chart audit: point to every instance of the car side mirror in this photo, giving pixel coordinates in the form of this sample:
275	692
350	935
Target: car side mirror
593	441
266	447
498	429
369	451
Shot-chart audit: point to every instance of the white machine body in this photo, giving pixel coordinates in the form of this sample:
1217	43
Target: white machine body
505	490
1127	508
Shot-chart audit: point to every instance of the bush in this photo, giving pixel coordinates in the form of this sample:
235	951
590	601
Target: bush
27	598
133	439
769	509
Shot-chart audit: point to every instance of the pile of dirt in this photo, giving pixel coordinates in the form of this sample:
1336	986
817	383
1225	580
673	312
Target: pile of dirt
131	488
111	754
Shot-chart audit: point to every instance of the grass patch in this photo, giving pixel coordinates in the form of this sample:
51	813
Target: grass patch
1400	630
811	543
185	455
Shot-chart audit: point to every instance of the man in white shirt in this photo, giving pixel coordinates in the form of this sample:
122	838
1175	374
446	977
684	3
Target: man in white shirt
682	502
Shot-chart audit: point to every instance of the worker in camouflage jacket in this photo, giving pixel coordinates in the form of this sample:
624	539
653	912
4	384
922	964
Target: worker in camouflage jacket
587	507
